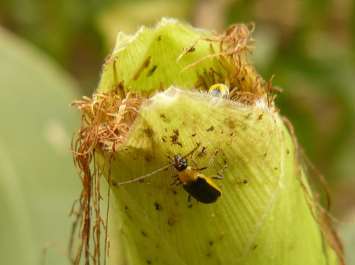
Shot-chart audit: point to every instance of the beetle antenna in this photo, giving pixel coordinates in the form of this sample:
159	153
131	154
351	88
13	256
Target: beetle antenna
144	176
155	171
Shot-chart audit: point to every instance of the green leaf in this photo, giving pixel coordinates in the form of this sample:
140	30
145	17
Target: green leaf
37	179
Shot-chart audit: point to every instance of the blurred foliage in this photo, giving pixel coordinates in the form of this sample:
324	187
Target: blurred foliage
38	183
64	29
347	233
74	32
129	16
309	46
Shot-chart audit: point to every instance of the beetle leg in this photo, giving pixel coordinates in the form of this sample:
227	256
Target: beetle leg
220	172
176	181
189	201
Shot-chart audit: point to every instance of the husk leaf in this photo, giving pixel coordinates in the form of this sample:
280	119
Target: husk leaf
266	213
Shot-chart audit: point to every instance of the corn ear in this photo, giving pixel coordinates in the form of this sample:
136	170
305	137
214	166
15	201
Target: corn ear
266	213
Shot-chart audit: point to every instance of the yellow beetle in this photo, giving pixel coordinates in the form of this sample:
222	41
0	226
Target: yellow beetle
196	184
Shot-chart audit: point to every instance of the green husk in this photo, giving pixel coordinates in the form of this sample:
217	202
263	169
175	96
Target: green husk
266	214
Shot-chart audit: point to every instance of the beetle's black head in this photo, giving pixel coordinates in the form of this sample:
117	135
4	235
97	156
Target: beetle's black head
180	163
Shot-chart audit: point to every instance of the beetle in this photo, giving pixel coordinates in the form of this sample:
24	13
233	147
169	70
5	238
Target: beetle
196	184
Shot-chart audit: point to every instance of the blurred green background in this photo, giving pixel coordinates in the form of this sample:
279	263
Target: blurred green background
52	51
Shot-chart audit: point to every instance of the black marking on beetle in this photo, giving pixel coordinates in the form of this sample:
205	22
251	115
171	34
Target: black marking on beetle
149	261
175	138
159	38
163	138
202	191
210	129
260	116
157	206
208	254
144	65
126	208
210	243
276	168
287	151
152	70
254	246
193	135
